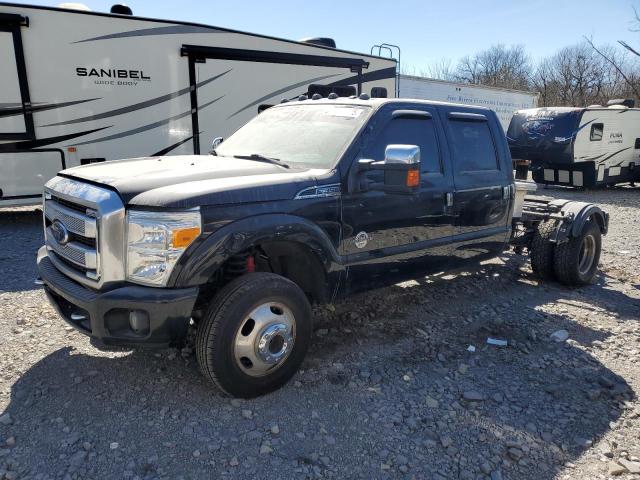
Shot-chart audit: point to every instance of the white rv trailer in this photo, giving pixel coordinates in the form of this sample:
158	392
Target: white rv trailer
79	87
580	147
501	100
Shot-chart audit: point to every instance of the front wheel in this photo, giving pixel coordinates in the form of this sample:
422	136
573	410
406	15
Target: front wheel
255	335
576	261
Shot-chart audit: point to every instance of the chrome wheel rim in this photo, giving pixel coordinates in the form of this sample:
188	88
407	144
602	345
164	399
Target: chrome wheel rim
587	254
264	339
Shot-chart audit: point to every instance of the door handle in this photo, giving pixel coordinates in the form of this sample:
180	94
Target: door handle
449	199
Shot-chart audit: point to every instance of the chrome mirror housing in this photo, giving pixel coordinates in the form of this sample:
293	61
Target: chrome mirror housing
216	142
402	154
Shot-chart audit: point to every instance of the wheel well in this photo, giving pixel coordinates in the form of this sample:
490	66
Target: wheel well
292	260
298	263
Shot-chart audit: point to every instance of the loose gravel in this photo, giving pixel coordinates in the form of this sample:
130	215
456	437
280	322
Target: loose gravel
399	382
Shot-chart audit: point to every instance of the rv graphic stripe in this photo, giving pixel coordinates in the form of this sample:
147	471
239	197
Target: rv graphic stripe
612	155
30	144
381	74
144	128
168	30
9	112
164	151
282	90
138	106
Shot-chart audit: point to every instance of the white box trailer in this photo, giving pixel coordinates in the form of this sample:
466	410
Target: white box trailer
579	147
79	87
501	100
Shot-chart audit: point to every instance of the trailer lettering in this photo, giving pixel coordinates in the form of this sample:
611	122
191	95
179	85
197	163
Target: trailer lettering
113	73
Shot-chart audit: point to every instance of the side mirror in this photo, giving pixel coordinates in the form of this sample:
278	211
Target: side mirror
216	141
401	167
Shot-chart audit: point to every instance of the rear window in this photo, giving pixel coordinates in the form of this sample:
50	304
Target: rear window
473	148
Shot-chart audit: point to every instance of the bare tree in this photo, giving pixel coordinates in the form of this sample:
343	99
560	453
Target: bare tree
582	75
498	66
618	64
441	70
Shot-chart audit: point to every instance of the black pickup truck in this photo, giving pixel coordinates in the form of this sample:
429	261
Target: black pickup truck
311	200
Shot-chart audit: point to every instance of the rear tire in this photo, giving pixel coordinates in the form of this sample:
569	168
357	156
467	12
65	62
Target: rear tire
542	251
255	335
576	261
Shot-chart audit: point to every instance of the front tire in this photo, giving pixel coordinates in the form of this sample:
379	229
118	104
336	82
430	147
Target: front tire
576	261
255	335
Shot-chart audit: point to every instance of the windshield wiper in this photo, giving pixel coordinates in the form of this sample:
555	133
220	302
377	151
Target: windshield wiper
261	158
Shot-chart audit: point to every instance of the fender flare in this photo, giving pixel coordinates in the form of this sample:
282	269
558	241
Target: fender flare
198	265
577	214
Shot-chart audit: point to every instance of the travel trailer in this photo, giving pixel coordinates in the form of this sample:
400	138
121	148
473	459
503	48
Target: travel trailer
79	87
580	147
501	100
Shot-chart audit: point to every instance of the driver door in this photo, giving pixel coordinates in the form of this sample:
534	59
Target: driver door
389	237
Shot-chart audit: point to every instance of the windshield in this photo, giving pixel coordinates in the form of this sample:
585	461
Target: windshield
312	136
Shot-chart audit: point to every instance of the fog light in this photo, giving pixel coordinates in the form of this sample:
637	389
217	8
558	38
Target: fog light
139	321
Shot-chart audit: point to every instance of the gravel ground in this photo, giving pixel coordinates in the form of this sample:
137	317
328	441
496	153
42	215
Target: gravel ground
388	390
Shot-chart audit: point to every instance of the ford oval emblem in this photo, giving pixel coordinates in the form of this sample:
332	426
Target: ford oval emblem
60	232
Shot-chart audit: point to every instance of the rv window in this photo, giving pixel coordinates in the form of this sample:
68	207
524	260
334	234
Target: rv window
418	131
596	132
473	148
637	145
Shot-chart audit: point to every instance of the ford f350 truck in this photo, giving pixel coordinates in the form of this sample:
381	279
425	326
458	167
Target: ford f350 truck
310	201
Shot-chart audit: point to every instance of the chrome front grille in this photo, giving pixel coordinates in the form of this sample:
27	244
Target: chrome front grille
77	222
84	231
76	253
80	250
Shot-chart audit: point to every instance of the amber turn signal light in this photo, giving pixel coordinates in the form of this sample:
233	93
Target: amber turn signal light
413	178
183	237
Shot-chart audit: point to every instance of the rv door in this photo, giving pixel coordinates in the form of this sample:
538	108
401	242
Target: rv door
16	119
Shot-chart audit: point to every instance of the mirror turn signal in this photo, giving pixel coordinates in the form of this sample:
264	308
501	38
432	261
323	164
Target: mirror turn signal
413	178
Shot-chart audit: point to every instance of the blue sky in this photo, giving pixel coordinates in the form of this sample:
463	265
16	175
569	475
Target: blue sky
426	30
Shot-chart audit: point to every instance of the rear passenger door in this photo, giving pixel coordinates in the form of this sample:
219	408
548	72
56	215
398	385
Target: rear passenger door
482	184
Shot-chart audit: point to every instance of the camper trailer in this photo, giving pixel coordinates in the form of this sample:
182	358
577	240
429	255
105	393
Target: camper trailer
579	147
79	87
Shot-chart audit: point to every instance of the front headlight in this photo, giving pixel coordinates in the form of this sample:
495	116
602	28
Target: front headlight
155	242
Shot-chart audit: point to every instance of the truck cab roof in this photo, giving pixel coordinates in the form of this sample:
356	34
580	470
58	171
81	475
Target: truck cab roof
377	103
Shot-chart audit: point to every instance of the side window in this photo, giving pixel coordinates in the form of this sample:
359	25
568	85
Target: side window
473	148
637	145
409	131
596	132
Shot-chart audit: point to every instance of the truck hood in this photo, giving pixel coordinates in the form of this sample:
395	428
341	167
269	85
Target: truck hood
186	181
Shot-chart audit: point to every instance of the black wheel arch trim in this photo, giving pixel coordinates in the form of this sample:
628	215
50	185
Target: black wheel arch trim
201	261
577	214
